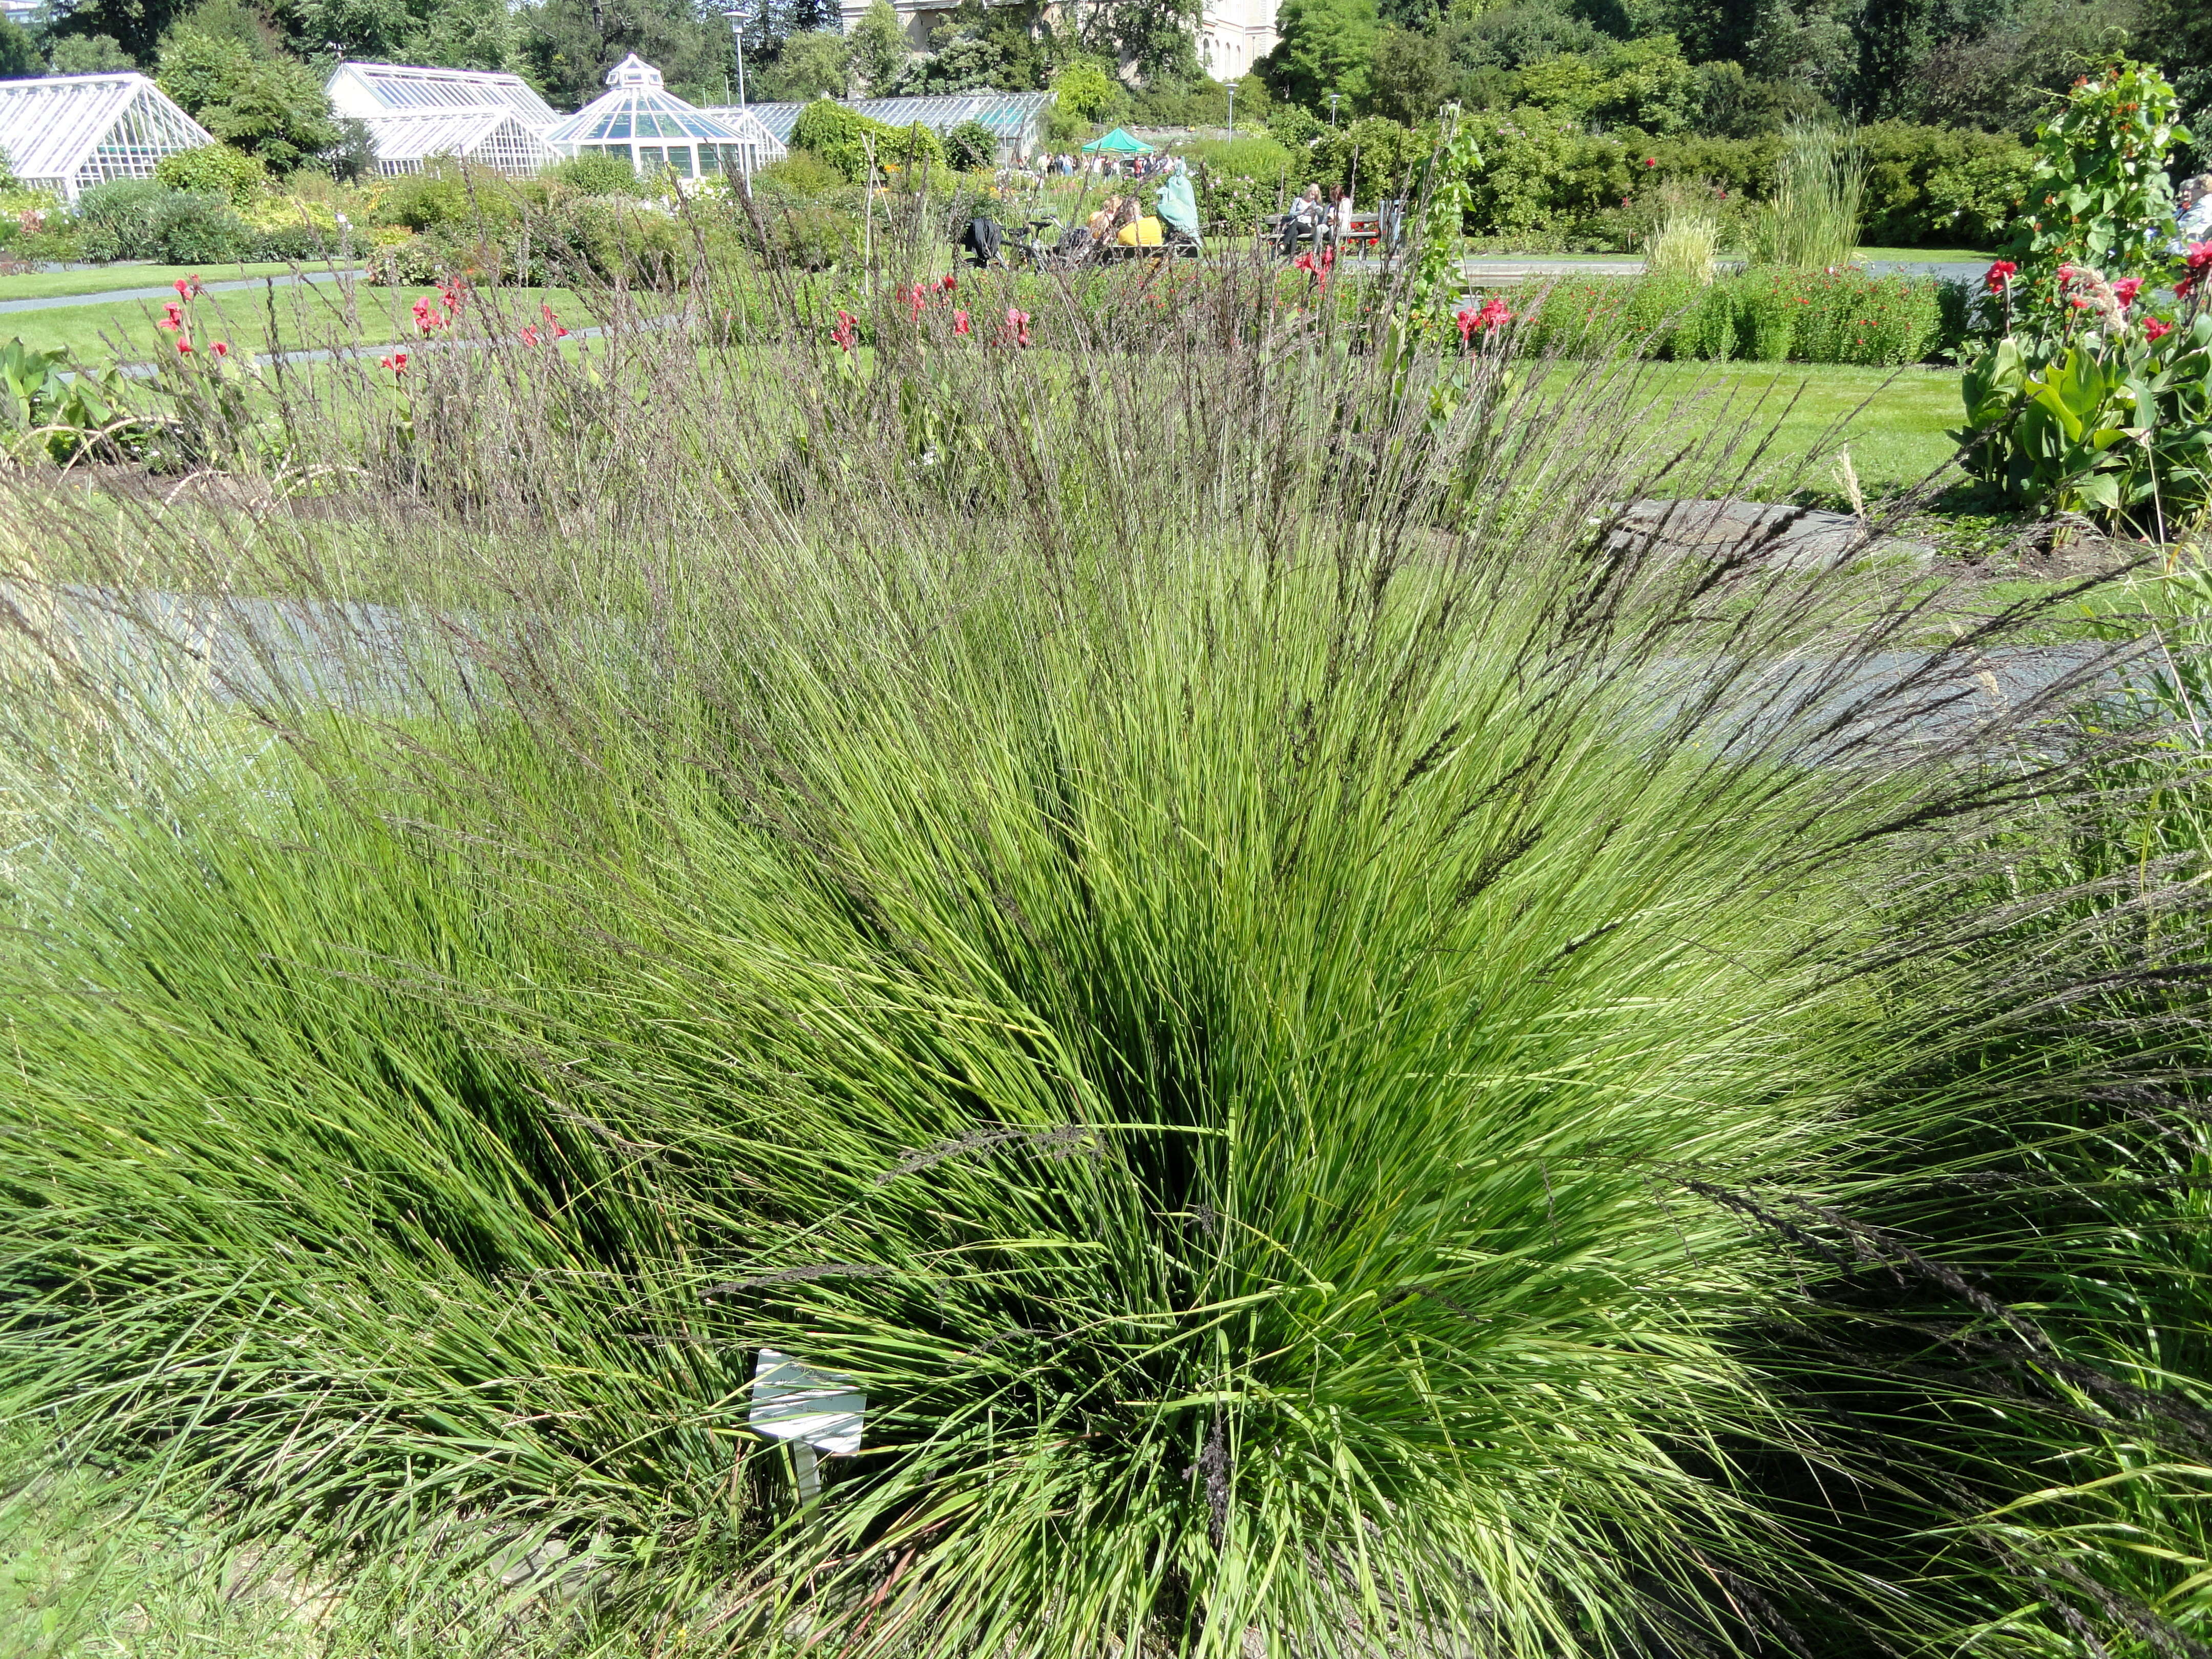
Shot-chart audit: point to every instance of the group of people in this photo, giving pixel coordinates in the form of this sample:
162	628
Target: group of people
1067	166
1329	223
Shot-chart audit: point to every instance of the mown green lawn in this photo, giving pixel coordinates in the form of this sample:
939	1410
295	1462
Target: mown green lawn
107	279
293	317
1892	420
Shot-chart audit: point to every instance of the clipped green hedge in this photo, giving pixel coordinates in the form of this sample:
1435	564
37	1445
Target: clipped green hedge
1766	314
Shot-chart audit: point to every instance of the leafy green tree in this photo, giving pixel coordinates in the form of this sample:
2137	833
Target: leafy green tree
1322	46
1157	38
964	61
566	46
1412	75
1084	90
239	87
136	25
810	64
877	48
87	54
452	33
2183	32
19	53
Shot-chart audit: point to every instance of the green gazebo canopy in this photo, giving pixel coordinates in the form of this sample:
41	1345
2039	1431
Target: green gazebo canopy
1118	143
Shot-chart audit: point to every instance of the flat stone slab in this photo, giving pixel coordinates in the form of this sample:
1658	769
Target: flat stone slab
1764	534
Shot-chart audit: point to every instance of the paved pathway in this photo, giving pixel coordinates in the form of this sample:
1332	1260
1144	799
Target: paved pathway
1488	269
166	291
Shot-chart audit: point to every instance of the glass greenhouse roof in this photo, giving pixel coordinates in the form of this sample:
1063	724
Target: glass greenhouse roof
70	132
1011	116
636	106
368	90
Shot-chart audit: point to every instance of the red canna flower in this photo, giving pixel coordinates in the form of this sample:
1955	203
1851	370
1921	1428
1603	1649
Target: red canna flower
960	322
1017	323
1650	161
844	334
948	281
1999	275
2155	330
529	335
220	348
184	347
2126	289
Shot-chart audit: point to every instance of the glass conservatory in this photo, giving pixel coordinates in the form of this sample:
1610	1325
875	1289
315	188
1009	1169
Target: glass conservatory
638	121
68	132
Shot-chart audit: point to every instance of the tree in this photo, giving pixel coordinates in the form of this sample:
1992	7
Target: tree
566	46
1155	38
1322	46
87	54
1411	77
876	51
811	65
269	106
136	25
452	33
1084	90
2183	30
19	53
963	63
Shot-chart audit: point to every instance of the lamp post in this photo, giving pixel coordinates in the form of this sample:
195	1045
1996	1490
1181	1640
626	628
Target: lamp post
737	37
1233	108
1331	112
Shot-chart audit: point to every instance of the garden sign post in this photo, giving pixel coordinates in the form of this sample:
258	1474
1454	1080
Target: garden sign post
816	1412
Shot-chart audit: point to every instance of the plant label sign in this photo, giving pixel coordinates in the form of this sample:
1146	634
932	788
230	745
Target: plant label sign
792	1401
814	1410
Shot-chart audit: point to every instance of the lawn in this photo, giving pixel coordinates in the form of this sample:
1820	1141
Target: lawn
1893	420
47	284
289	318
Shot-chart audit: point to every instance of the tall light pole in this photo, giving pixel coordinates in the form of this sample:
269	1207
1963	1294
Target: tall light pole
1233	108
737	35
1331	112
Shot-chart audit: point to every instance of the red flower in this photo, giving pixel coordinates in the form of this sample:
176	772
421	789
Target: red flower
184	347
2155	330
220	348
1650	161
426	316
2126	289
529	335
186	287
1999	275
1465	318
960	322
396	362
844	334
1018	323
948	281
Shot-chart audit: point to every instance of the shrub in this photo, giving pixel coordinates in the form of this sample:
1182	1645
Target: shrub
971	147
801	173
1851	316
1764	314
840	137
595	175
449	197
216	170
140	218
287	228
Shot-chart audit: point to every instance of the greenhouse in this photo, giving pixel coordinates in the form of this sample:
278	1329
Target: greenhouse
414	113
1016	119
639	122
66	133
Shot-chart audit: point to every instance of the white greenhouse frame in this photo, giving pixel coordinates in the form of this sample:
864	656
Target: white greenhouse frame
68	132
636	120
369	92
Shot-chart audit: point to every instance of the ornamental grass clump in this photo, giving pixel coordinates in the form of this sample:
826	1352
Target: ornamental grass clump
1210	930
1811	220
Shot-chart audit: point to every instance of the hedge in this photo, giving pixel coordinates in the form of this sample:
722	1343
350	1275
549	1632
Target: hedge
1764	314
